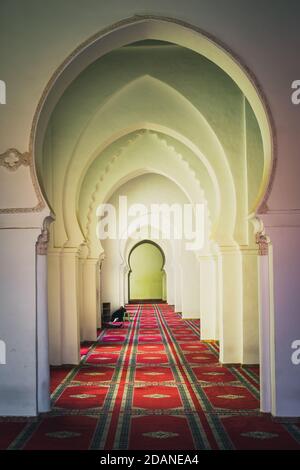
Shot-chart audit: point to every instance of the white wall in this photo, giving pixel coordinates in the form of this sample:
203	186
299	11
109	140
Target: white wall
18	386
285	301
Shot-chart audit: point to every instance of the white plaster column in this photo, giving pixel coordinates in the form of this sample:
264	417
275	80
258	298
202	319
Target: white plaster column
178	288
81	261
230	323
250	320
190	280
169	284
164	285
89	299
264	325
54	306
126	274
208	297
122	286
99	294
219	293
43	368
70	307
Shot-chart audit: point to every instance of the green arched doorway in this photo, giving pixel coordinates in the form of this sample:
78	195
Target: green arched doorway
147	278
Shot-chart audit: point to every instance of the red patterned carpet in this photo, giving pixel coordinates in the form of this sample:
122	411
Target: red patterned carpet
152	385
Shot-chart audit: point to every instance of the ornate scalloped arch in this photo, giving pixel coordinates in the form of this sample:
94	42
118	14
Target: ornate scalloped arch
182	117
166	29
172	166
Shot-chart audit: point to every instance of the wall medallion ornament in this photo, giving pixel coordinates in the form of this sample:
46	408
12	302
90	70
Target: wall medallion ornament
12	159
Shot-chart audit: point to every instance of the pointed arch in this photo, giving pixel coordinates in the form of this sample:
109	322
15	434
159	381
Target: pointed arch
165	29
183	119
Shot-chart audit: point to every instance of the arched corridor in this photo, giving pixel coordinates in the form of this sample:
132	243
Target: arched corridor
115	146
150	138
149	168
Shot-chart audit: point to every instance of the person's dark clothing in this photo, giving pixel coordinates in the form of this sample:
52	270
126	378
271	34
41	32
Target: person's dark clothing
118	315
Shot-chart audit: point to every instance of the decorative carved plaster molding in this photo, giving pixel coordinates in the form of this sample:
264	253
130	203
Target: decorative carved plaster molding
43	239
140	133
42	243
12	159
101	259
263	243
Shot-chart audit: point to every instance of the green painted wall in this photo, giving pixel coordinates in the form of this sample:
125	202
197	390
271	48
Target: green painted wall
254	149
146	278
